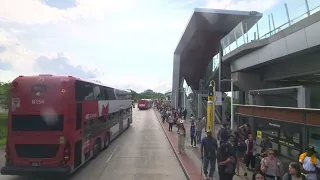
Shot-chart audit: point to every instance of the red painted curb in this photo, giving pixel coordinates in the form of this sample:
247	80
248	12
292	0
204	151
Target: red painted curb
189	168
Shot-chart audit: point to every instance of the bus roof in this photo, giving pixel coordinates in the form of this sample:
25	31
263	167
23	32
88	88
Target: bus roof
69	77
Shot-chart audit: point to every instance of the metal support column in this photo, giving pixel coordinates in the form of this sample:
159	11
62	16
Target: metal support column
288	15
307	6
231	108
274	26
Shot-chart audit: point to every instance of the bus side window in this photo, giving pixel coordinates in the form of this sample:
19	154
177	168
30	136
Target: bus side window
105	92
111	94
87	126
83	91
98	93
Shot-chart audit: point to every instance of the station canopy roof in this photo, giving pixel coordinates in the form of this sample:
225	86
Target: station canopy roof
201	39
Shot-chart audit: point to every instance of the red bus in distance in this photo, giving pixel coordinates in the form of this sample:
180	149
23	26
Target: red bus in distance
58	123
144	104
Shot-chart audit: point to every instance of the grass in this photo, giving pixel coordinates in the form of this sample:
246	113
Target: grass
3	129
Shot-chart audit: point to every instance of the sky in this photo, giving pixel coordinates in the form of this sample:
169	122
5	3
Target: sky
127	44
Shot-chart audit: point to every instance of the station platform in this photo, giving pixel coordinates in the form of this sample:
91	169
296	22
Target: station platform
191	160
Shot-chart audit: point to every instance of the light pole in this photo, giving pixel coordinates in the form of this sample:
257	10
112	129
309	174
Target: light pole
231	102
211	107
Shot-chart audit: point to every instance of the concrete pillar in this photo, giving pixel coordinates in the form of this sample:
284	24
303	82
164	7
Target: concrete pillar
175	81
242	97
303	97
224	108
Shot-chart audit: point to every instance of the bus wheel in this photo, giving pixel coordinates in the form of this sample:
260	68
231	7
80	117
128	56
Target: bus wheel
96	148
106	141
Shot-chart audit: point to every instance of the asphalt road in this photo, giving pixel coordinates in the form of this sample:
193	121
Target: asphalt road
140	153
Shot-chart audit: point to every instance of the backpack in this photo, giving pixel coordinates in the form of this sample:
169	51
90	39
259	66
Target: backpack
242	147
211	146
224	135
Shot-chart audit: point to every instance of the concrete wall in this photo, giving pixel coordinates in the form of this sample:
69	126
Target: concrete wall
249	81
299	37
300	98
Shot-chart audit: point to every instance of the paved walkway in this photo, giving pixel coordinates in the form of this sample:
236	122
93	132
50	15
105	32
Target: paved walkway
191	161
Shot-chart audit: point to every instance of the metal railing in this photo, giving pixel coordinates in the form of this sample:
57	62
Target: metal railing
284	16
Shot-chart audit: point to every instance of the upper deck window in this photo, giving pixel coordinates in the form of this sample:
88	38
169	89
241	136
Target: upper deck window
84	91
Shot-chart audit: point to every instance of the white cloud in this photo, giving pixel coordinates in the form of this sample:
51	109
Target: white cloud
18	55
244	5
130	41
136	83
36	11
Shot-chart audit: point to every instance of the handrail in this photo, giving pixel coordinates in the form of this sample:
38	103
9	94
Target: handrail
274	31
278	107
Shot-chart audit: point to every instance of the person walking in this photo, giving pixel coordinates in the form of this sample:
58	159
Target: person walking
209	147
170	121
192	119
181	139
199	127
193	134
226	163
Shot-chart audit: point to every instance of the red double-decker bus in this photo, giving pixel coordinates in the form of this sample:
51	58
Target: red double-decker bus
57	123
144	104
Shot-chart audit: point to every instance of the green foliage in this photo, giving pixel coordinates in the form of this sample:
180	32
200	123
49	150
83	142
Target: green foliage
147	94
3	129
228	103
4	94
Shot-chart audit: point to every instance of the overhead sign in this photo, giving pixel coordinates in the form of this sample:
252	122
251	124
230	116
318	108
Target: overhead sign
218	98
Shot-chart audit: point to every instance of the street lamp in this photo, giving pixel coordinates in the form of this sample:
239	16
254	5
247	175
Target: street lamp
231	108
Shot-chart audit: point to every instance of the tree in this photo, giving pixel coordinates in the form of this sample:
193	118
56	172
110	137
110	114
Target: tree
228	103
147	94
4	94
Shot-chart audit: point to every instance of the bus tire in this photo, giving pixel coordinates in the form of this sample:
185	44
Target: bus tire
96	148
106	141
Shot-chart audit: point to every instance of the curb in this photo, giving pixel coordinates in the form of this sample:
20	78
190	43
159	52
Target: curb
174	149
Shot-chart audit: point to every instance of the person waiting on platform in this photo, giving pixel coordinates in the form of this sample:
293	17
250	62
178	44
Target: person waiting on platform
294	172
250	152
265	144
310	163
181	139
272	166
258	176
199	127
193	135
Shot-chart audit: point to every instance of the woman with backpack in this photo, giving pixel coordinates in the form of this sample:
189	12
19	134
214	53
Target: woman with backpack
294	172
